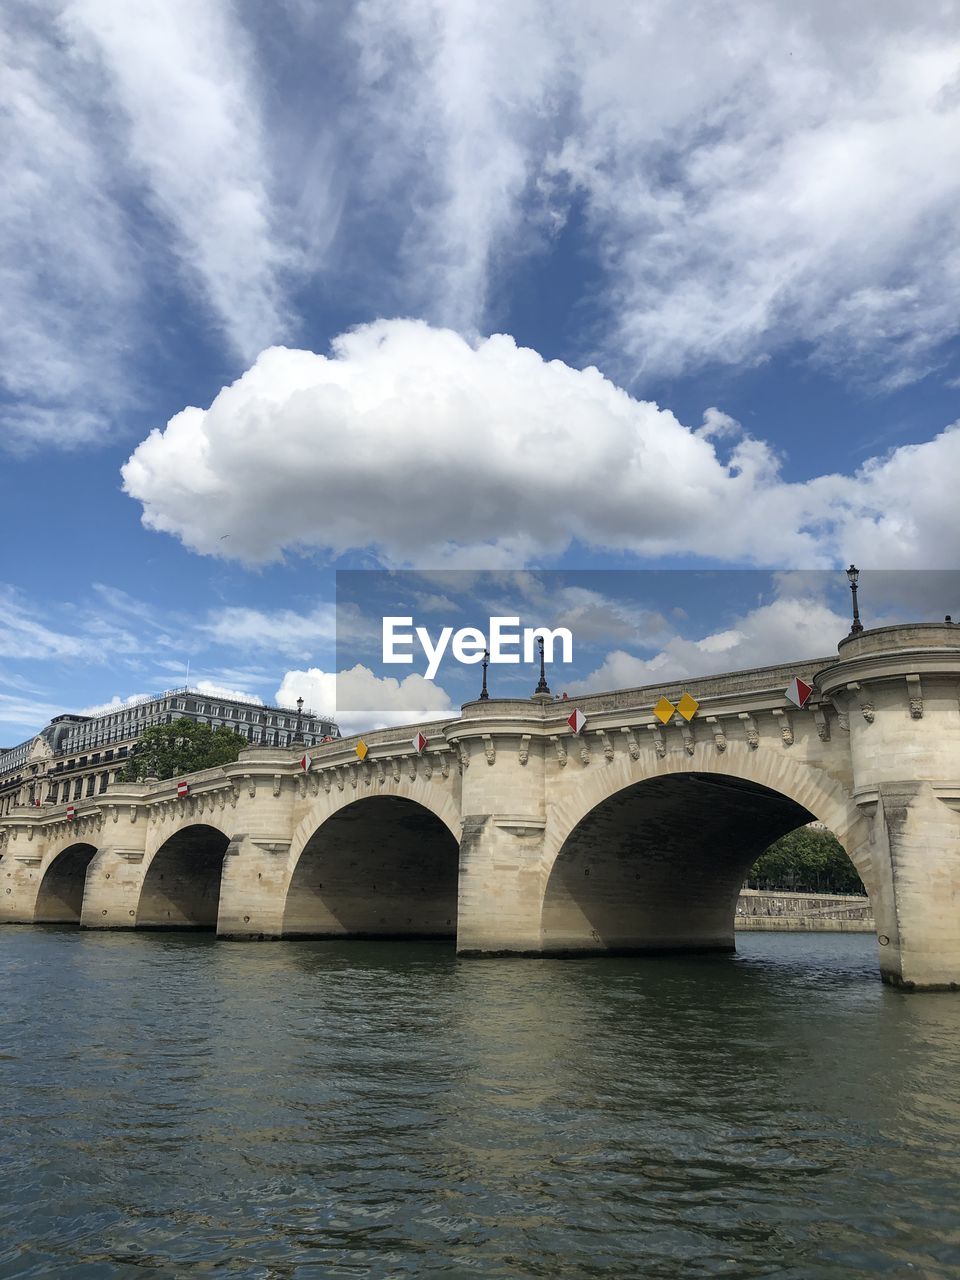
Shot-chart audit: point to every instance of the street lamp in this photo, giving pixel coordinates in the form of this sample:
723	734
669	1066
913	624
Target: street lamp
485	664
853	573
298	730
542	687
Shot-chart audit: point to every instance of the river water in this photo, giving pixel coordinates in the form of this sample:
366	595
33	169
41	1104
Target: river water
175	1106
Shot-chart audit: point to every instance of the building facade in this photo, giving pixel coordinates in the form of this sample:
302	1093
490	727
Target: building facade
75	757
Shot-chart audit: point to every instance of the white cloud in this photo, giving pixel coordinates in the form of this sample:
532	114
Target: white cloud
282	631
209	687
214	690
412	441
24	713
138	173
182	75
64	253
116	703
25	635
358	700
742	179
790	628
458	97
750	177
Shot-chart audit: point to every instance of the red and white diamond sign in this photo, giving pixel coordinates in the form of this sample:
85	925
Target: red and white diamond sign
305	762
419	742
71	813
576	720
182	789
798	691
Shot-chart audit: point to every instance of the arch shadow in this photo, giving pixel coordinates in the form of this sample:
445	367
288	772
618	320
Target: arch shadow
181	887
657	865
379	867
60	896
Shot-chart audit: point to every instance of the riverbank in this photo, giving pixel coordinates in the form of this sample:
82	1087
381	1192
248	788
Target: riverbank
766	909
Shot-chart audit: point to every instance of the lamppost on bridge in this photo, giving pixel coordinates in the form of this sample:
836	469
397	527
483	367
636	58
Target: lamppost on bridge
485	663
298	730
542	688
853	573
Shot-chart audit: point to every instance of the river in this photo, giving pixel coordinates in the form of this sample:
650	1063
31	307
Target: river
171	1105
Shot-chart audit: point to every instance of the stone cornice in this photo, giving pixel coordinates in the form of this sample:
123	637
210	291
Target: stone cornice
888	666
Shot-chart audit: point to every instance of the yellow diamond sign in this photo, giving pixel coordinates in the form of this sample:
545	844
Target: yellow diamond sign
664	710
361	749
687	706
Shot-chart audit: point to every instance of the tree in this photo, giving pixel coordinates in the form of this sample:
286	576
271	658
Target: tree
807	860
169	750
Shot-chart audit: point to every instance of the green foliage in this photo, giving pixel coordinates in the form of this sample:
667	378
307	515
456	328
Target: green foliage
808	861
171	750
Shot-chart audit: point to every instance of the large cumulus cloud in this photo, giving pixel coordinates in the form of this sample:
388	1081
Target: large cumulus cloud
428	448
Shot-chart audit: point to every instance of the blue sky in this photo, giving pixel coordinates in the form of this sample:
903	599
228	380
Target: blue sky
719	242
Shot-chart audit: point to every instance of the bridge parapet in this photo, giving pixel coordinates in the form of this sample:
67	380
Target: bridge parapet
767	683
902	637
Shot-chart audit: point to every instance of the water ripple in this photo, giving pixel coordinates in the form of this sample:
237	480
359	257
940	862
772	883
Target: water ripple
173	1106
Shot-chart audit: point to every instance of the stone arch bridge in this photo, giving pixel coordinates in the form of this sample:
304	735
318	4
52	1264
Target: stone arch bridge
511	834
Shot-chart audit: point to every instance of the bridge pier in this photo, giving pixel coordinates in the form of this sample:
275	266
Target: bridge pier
253	886
114	882
896	692
21	877
918	916
501	879
503	800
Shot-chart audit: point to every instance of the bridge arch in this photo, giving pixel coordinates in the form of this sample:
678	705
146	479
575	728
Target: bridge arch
60	895
375	866
654	859
181	881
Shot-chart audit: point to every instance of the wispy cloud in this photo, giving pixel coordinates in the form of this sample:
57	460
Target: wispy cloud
137	171
120	627
790	628
727	163
183	78
282	631
730	161
26	713
67	261
26	637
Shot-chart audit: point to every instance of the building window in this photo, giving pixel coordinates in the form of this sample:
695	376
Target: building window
104	779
